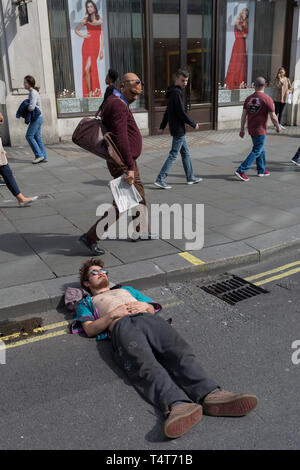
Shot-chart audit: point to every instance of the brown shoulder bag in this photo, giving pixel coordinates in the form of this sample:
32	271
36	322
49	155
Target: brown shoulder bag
91	134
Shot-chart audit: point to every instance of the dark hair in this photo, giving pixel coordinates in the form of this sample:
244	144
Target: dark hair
281	68
113	74
83	272
96	10
31	81
182	73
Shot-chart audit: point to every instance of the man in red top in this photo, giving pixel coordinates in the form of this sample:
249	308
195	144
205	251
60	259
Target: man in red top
257	108
119	120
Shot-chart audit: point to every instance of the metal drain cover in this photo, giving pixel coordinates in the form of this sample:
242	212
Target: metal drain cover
233	289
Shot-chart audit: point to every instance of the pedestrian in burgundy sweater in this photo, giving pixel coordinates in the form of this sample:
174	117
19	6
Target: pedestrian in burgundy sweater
119	120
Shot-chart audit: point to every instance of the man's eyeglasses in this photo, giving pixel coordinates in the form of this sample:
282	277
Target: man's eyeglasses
136	81
96	272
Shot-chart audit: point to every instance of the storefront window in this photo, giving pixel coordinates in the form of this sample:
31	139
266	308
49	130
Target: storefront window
166	46
251	45
126	37
199	33
61	48
88	38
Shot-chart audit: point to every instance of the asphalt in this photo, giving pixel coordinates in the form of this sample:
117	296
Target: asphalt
244	223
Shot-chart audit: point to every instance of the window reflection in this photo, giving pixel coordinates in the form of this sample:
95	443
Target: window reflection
251	45
166	46
199	32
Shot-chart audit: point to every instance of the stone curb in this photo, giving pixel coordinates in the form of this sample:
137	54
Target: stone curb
43	296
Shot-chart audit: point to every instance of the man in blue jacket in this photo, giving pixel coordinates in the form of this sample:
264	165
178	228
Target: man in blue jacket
158	362
177	118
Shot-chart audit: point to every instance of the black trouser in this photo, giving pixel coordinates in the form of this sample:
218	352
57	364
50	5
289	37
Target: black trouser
279	107
158	362
7	175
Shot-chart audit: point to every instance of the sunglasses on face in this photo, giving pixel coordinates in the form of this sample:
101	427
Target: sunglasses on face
135	81
96	272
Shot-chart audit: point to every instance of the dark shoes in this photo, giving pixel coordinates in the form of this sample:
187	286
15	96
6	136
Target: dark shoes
223	403
93	247
144	236
182	418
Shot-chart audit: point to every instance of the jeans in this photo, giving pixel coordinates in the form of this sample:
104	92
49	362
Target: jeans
257	153
34	138
7	175
297	155
178	145
158	361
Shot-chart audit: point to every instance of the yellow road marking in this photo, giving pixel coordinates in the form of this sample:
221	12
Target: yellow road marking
279	276
272	271
192	259
37	338
51	326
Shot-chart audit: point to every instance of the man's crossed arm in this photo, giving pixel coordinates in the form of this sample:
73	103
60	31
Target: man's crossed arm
95	327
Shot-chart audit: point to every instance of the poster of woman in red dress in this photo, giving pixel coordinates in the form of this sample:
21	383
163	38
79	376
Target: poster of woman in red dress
92	50
237	68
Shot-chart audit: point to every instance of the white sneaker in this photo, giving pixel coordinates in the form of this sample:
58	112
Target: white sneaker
25	204
37	160
162	184
196	180
281	127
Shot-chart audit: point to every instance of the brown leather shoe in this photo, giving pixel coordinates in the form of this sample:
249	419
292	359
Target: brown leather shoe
181	419
223	403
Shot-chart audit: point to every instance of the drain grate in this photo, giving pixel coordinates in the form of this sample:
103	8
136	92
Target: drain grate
233	289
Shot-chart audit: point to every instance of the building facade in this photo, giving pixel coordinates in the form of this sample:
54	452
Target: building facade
68	46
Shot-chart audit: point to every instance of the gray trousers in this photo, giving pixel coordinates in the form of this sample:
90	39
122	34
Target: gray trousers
158	362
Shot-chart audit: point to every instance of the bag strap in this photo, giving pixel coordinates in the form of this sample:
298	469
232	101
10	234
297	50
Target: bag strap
100	110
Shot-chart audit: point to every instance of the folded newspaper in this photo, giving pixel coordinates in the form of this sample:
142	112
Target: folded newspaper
125	195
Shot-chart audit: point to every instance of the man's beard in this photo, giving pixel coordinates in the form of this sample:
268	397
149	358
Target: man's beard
103	283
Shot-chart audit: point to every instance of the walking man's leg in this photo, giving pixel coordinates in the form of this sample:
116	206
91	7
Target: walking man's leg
177	143
94	234
295	158
258	146
261	159
187	164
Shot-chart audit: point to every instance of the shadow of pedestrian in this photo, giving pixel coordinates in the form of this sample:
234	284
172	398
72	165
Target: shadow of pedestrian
27	244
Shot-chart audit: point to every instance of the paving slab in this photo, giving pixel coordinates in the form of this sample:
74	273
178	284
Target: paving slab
269	243
23	271
243	229
29	298
227	255
138	274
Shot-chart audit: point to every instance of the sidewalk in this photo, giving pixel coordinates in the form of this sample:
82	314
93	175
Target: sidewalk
39	249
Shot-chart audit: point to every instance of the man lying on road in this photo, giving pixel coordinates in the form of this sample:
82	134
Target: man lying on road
158	362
